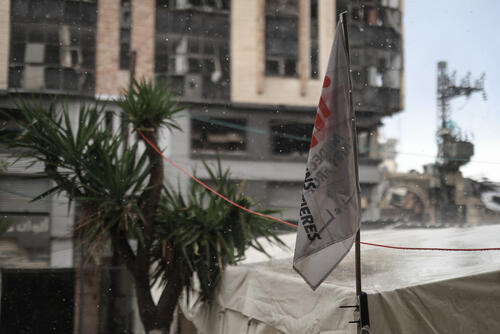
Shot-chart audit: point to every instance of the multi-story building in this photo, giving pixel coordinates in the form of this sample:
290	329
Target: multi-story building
248	71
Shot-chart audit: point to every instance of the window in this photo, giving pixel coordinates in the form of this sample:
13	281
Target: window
192	51
52	45
218	135
108	121
363	144
9	128
314	39
201	4
124	123
387	71
373	17
291	139
125	31
281	38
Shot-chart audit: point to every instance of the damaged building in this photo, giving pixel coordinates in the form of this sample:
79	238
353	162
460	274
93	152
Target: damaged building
249	74
441	196
265	60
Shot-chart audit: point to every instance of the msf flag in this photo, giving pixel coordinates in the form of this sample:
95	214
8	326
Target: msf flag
329	209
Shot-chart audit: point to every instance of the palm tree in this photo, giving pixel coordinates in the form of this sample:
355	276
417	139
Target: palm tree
123	197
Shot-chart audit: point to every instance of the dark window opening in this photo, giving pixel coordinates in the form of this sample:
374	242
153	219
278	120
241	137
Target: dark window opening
314	61
9	125
108	121
16	76
290	67
52	78
272	67
218	135
53	45
281	37
125	31
208	5
356	14
314	40
363	144
37	301
291	138
124	123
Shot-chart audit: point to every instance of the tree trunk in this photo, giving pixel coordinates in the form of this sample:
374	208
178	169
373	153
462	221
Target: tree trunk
158	317
155	318
168	302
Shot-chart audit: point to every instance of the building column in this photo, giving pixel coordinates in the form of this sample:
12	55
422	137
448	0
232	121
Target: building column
61	233
258	144
327	20
143	37
304	32
4	43
261	45
107	47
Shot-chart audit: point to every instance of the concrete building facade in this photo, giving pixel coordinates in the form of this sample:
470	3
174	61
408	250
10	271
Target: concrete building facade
248	72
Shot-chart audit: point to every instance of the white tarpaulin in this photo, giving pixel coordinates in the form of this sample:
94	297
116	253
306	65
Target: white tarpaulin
408	291
329	211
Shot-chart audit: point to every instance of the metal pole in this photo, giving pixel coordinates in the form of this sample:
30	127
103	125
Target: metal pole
357	248
357	254
355	143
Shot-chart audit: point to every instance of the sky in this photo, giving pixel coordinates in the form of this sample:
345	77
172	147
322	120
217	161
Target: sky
466	34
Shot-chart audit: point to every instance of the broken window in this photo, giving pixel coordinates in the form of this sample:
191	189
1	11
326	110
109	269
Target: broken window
373	16
291	138
218	135
192	51
125	31
387	71
281	38
52	45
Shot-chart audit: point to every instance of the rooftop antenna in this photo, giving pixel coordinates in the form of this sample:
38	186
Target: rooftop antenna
454	149
448	133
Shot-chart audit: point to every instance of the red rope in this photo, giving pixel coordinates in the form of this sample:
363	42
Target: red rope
433	248
210	189
293	225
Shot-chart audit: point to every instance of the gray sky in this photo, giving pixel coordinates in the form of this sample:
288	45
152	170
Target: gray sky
466	34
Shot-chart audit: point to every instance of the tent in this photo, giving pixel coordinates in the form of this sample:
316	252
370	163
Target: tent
408	291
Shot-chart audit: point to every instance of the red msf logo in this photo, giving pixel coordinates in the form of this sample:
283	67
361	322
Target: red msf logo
323	113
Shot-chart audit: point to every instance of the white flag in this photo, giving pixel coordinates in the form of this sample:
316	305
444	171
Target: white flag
329	211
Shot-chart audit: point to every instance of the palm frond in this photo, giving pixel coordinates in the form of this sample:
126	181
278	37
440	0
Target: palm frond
208	232
150	105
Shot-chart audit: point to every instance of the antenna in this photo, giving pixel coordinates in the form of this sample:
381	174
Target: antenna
447	89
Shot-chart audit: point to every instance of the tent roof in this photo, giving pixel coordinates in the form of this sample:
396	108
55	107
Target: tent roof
409	291
388	269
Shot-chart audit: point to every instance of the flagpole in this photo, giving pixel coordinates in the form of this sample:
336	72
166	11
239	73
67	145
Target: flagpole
355	143
362	304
